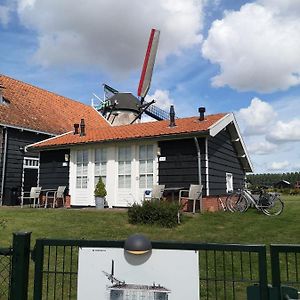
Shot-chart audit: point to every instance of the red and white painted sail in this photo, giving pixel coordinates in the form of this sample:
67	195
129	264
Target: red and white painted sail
148	65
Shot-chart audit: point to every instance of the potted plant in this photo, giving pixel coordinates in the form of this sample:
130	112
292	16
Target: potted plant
100	193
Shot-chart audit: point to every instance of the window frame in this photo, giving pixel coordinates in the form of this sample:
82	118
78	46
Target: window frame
124	167
100	166
82	169
148	172
229	182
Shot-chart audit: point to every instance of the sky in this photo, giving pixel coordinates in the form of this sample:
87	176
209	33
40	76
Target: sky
227	55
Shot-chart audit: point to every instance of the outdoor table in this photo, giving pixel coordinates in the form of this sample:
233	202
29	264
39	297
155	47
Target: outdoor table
44	195
173	191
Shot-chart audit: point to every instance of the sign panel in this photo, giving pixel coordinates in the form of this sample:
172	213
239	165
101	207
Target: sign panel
113	274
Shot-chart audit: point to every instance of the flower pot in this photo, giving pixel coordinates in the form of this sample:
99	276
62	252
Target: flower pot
68	201
99	202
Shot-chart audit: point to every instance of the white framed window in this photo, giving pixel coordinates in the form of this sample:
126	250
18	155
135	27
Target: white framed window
100	164
30	163
82	160
146	166
229	182
124	167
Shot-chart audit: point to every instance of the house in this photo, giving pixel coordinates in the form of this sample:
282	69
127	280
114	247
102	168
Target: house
131	158
29	114
282	184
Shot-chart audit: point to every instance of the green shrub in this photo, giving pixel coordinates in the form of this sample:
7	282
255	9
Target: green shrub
157	212
294	191
100	190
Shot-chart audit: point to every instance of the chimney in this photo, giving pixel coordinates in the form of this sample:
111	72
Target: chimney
82	128
76	128
172	116
1	93
201	110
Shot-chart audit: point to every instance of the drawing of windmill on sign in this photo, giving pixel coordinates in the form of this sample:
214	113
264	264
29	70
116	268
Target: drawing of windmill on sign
120	290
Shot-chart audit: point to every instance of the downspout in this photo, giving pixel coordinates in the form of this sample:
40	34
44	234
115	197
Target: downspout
199	169
3	166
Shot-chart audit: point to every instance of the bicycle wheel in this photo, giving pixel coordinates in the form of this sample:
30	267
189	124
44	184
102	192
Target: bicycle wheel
274	207
236	202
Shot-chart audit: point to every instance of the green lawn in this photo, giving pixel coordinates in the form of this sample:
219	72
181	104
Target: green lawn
251	227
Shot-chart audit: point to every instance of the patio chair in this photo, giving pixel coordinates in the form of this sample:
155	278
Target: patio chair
54	195
193	194
33	195
156	192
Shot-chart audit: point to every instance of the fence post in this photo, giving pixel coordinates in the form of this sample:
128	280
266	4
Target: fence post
38	259
20	266
263	278
260	291
275	264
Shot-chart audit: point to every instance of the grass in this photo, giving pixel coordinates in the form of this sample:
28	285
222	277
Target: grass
251	227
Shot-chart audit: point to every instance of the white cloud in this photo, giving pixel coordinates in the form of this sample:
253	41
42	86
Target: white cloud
296	167
257	118
4	15
279	166
109	34
285	132
290	8
257	47
261	148
162	99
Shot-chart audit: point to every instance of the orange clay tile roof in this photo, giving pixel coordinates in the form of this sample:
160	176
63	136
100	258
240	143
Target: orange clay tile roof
32	108
156	129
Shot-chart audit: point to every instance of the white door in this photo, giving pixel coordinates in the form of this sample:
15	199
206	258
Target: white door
82	195
125	195
146	168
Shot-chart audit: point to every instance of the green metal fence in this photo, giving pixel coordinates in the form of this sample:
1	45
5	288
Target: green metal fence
5	272
225	270
285	262
14	268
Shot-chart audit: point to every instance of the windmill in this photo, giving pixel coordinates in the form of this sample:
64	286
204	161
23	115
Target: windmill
111	277
120	290
124	108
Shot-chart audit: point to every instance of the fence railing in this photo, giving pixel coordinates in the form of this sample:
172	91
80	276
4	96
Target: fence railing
5	272
225	270
14	268
285	262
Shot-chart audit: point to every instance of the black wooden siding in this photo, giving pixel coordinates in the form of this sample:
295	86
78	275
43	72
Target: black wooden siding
1	153
223	159
180	169
54	169
14	161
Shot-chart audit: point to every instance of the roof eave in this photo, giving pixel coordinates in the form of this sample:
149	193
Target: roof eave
236	138
28	129
164	137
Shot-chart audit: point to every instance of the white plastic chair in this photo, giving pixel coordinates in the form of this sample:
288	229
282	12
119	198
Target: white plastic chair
194	193
55	195
157	192
34	195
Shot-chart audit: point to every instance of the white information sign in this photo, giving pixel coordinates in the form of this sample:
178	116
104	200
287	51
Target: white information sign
113	274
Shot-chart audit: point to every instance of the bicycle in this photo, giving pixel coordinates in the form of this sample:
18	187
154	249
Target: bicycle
269	203
221	204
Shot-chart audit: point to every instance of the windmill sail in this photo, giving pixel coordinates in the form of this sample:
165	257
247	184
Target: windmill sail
108	91
148	65
157	113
